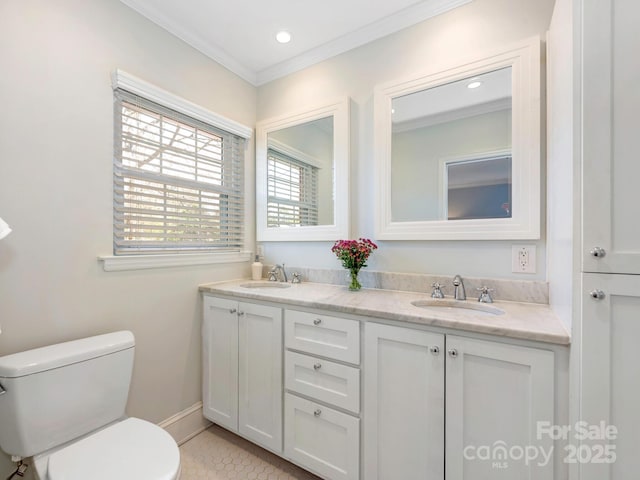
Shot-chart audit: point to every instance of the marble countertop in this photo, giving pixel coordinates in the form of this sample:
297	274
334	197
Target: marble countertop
529	321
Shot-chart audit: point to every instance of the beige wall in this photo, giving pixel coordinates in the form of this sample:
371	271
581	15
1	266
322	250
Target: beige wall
467	32
56	58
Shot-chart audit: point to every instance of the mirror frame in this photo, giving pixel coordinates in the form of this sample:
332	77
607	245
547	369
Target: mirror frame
339	110
524	59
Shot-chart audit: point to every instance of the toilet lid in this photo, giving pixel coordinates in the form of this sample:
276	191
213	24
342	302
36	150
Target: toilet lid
129	450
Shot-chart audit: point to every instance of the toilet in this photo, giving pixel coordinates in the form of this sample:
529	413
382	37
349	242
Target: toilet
64	405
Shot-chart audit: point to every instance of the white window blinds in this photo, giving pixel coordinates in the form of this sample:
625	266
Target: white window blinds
178	182
292	189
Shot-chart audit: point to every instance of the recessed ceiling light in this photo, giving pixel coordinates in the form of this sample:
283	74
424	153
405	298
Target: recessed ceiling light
474	84
283	36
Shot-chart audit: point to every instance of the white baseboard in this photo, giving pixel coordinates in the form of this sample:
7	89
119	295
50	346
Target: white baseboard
186	424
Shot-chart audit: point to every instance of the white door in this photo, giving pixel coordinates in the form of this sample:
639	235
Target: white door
611	157
496	394
260	374
610	386
403	404
220	361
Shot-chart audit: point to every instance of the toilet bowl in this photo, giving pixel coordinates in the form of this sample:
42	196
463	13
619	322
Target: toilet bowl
64	405
132	449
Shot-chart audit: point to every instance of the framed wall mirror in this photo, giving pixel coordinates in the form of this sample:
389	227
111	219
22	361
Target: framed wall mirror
302	175
458	151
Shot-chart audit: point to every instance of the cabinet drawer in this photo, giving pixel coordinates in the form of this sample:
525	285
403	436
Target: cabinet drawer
321	439
323	380
331	337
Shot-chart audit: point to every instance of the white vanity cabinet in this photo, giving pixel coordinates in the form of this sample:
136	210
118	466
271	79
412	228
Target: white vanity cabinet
493	392
322	394
354	398
608	327
242	368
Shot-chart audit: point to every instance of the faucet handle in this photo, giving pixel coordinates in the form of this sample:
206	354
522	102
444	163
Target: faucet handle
437	290
296	278
272	275
485	294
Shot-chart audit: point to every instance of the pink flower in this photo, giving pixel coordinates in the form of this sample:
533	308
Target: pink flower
353	253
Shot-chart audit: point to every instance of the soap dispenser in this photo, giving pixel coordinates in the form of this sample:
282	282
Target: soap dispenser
256	269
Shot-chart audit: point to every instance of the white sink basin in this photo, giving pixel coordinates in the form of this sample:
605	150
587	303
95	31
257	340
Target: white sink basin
457	306
264	284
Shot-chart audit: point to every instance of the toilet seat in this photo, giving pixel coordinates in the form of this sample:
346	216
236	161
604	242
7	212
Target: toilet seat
133	449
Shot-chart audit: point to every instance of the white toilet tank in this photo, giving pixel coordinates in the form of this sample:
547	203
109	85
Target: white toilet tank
58	393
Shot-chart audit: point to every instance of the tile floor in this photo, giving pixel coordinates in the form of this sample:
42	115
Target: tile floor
217	454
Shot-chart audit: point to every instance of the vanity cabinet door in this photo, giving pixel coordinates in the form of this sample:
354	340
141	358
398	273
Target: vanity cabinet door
242	369
610	386
260	374
403	404
220	361
610	104
496	394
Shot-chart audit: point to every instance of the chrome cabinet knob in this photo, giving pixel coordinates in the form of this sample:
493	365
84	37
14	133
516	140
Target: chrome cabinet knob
317	321
453	352
435	350
317	366
233	310
597	294
317	413
598	252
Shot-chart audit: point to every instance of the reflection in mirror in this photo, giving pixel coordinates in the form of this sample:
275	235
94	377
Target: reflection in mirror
300	175
478	188
451	150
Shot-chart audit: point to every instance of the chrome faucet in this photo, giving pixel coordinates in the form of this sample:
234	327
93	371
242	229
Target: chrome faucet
437	291
283	273
485	294
458	290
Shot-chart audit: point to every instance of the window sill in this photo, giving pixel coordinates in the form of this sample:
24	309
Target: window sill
116	263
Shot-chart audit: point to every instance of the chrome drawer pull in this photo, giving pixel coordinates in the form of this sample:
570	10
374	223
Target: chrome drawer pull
317	366
233	310
317	321
317	413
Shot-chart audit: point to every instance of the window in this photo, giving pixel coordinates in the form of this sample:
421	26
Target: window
178	181
292	191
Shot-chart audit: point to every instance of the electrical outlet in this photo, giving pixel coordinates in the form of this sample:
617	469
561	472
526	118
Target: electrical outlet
523	258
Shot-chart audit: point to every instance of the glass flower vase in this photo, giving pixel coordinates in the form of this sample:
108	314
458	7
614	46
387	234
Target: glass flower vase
355	285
